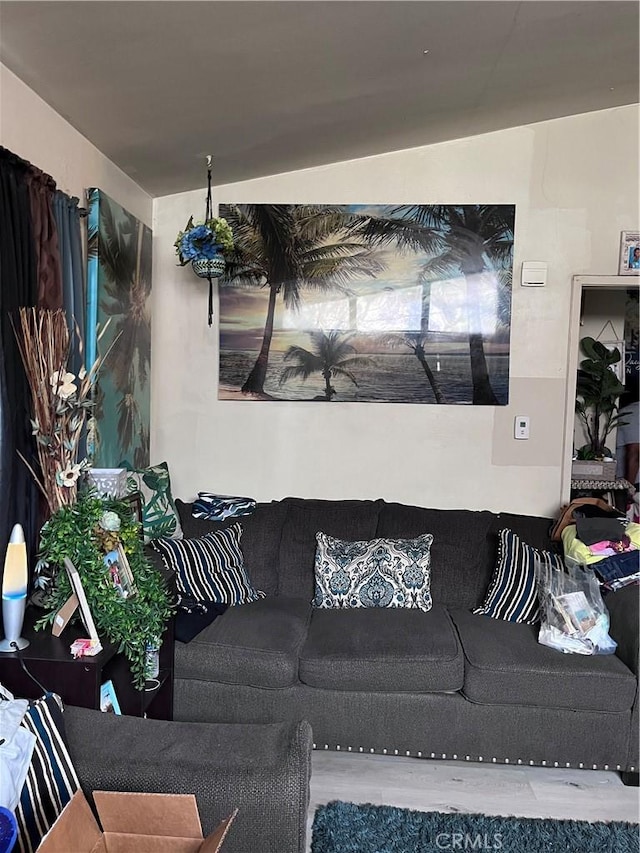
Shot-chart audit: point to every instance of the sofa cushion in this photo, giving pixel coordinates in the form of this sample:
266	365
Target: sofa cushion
383	651
505	665
462	554
372	573
256	644
260	541
513	591
347	519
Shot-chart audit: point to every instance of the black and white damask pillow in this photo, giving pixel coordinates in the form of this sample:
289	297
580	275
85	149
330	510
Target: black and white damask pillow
375	573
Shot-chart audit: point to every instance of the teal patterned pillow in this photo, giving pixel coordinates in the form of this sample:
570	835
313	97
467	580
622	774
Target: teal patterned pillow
378	573
159	515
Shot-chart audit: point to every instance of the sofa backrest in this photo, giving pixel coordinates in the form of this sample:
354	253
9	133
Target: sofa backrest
348	519
460	553
279	541
260	541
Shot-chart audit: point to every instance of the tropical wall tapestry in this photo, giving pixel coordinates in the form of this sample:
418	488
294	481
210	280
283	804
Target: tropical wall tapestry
118	289
367	303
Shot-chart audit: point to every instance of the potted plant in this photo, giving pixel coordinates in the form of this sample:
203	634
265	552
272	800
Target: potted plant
203	244
87	532
597	392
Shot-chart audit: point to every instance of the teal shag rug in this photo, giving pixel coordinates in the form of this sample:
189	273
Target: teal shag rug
351	828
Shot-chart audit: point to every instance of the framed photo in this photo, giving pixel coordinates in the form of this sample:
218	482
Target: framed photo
629	253
120	572
108	699
83	604
134	500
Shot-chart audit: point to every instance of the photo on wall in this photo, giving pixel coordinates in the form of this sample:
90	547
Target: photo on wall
367	303
119	290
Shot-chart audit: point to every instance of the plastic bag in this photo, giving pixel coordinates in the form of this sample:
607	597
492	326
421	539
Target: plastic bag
573	617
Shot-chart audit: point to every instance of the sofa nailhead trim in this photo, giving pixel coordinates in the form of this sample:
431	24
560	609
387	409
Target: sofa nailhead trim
480	758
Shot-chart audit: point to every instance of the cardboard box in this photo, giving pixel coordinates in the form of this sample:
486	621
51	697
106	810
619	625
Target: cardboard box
133	823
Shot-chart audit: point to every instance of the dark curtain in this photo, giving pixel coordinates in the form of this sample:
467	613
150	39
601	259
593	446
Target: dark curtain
45	236
67	218
18	286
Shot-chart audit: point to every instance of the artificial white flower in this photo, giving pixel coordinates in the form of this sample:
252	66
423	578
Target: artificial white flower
82	372
63	383
69	476
110	521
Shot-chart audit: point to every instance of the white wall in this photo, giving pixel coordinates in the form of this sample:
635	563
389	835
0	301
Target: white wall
32	129
574	182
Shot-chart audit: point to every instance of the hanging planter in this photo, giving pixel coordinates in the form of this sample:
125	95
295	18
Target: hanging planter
203	244
209	267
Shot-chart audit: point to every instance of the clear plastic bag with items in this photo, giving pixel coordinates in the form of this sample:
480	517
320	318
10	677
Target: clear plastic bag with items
573	616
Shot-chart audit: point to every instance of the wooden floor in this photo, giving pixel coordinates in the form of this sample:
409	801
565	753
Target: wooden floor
450	786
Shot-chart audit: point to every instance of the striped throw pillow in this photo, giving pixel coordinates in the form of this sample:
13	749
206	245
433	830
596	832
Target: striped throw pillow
210	568
51	780
513	594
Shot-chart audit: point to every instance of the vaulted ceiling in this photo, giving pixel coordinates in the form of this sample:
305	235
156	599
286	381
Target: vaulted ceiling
267	87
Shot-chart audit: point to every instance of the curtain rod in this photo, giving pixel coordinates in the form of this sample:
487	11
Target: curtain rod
20	161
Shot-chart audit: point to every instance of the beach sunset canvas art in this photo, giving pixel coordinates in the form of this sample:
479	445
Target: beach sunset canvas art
367	303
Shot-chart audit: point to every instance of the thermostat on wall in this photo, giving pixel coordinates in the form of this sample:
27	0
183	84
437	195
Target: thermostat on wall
534	274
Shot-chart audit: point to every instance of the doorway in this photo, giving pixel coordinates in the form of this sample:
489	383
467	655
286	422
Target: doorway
580	286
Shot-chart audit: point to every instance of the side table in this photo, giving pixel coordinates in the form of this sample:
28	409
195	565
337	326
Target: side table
78	681
616	491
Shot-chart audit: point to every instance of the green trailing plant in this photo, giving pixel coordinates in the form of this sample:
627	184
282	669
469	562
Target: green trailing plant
597	393
81	533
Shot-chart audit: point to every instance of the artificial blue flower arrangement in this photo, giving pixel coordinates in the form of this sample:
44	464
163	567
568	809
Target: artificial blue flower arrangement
203	241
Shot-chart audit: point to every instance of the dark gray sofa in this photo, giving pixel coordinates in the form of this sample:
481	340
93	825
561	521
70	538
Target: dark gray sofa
440	684
262	770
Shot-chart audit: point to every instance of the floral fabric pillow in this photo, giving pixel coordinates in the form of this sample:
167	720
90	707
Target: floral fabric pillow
159	515
377	573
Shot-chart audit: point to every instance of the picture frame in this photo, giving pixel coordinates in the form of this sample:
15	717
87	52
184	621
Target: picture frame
82	603
120	572
629	260
134	500
108	699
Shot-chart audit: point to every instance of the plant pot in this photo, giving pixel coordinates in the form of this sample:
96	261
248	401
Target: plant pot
592	469
209	267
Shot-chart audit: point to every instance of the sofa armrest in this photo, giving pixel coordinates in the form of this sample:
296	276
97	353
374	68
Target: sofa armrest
623	607
263	770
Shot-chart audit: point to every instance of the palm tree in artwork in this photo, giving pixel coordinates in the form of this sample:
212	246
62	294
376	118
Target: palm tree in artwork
125	259
467	240
331	355
416	341
285	248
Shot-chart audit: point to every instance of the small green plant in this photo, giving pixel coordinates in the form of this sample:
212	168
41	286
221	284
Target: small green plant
76	532
597	393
